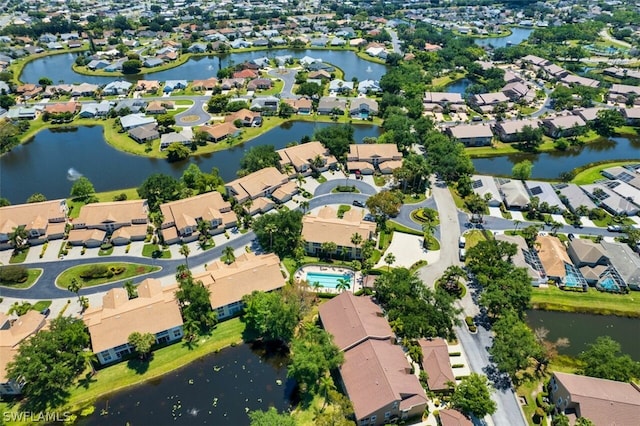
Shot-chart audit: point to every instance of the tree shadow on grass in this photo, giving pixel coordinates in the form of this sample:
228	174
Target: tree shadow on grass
140	366
87	380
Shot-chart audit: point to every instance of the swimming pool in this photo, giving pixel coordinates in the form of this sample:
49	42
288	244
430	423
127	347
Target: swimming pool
326	279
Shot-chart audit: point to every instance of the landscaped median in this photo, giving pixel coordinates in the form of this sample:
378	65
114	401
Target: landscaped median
103	273
593	302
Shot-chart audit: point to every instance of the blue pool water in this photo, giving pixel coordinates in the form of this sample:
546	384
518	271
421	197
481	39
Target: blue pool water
326	279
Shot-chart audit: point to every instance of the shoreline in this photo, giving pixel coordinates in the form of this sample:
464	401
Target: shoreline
559	307
183	59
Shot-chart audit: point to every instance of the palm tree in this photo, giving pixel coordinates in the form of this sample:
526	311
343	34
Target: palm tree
304	205
89	359
270	228
343	284
328	248
389	259
516	223
74	287
356	240
300	179
203	228
18	237
344	251
287	169
132	292
185	251
324	386
555	226
142	343
229	255
428	229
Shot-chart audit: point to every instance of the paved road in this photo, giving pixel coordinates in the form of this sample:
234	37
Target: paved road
605	34
287	75
197	109
395	41
326	187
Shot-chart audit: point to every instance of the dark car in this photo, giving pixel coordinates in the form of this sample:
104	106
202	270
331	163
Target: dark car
358	203
46	312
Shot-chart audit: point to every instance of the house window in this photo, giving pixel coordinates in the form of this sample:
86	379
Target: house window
177	333
387	414
106	356
373	419
395	405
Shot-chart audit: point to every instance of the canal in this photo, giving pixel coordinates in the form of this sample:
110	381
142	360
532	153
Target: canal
58	67
518	35
218	389
583	329
43	164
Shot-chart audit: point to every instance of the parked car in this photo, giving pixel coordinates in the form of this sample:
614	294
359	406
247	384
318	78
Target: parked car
462	254
46	312
369	218
358	203
461	242
614	228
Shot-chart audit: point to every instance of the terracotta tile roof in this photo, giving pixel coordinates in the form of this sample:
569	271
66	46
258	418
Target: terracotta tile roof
154	310
367	152
552	255
31	215
183	213
435	362
219	131
352	319
10	338
60	108
255	184
326	227
249	273
604	402
113	212
453	418
375	374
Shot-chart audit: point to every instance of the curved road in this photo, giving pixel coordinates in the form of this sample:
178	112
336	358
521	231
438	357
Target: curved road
197	109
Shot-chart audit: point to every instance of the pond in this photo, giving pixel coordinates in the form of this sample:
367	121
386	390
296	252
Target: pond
459	86
518	35
550	165
47	163
218	389
583	329
58	67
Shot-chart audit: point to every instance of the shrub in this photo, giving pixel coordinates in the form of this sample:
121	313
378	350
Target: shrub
346	188
469	321
95	271
14	274
106	246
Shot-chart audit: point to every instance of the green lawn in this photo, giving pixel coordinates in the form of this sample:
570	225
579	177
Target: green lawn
591	174
34	274
610	221
342	210
593	301
379	180
164	360
131	270
418	217
41	305
155	251
19	257
413	198
473	237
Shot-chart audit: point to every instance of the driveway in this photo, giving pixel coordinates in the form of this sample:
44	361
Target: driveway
287	75
197	110
408	249
326	187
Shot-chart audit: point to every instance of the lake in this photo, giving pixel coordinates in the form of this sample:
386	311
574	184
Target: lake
583	329
549	165
218	389
58	67
518	35
42	165
458	86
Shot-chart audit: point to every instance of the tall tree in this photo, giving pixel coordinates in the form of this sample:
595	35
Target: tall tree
19	237
514	345
257	158
313	355
229	256
384	204
279	232
389	259
185	251
194	301
604	359
157	189
82	188
522	170
36	198
473	396
269	317
74	287
142	343
271	417
336	138
130	287
49	362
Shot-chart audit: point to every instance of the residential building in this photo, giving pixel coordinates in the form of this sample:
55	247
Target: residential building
625	261
117	88
375	375
340	86
450	417
302	106
435	362
130	121
172	85
631	115
363	108
229	283
154	311
607	199
516	90
43	221
471	134
511	131
588	114
574	197
208	84
557	263
525	258
142	134
110	216
167	139
70	107
326	227
369	86
158	107
181	217
375	154
259	84
622	174
623	189
307	157
94	109
514	194
483	185
486	102
247	118
437	101
219	132
265	103
601	401
545	193
594	264
563	125
255	185
12	333
331	105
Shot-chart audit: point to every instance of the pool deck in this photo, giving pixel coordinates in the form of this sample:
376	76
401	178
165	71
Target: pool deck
356	276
